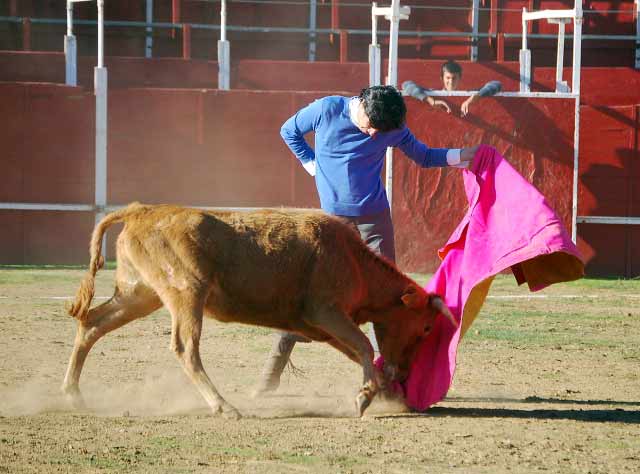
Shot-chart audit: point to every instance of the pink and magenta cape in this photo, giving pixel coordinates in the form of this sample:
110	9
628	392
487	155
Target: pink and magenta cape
509	224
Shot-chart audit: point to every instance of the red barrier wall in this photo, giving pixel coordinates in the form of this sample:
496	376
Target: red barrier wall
536	136
609	177
209	147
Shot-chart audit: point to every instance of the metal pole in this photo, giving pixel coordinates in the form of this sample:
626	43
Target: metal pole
524	28
575	85
313	7
525	58
69	18
100	90
561	86
392	80
70	50
374	50
577	47
576	149
148	44
637	34
560	58
392	74
223	50
474	26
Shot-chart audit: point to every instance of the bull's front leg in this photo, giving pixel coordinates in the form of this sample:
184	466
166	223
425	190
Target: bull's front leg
350	340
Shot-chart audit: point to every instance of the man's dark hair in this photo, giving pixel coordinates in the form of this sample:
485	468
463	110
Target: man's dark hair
452	67
384	106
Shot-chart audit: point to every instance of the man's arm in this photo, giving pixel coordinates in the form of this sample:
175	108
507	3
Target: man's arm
421	153
435	157
294	130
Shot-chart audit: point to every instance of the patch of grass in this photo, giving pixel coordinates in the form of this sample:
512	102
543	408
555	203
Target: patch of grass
344	461
164	442
301	459
28	277
108	265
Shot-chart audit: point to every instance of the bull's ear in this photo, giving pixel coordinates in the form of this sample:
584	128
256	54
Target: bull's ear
414	298
436	302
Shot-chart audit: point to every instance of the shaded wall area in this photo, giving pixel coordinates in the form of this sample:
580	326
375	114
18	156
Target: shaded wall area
215	148
613	86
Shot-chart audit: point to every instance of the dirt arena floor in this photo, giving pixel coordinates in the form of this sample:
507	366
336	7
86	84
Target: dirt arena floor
546	382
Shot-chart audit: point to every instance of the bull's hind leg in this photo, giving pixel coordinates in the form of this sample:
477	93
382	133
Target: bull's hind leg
349	339
186	327
123	307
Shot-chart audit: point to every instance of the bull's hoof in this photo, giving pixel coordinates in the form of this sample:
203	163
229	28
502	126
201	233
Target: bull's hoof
267	386
74	398
363	400
231	414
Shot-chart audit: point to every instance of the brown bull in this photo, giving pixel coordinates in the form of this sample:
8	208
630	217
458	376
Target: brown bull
299	271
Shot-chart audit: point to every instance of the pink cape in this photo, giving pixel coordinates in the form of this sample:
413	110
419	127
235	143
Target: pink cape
508	224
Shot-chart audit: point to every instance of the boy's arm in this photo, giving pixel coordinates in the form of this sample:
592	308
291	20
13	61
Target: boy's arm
489	89
411	89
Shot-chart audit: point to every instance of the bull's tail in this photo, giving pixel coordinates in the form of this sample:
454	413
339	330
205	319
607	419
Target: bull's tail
79	309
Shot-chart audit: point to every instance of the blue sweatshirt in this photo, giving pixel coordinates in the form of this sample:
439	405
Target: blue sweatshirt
348	161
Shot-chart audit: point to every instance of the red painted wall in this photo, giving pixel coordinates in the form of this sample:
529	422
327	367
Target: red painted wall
209	147
536	136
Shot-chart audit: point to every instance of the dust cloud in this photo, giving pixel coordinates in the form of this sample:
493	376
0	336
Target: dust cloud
168	392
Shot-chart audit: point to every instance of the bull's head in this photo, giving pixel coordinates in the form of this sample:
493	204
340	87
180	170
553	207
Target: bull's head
405	326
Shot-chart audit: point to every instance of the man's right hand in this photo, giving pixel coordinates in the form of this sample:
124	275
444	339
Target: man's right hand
467	154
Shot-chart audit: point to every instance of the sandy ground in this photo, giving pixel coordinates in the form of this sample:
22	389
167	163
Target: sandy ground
547	384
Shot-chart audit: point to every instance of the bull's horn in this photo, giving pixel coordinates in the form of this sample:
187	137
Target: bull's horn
438	304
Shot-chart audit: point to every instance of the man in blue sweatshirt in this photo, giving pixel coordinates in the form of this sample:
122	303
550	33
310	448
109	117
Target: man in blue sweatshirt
351	138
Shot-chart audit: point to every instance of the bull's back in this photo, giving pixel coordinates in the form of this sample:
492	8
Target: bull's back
252	265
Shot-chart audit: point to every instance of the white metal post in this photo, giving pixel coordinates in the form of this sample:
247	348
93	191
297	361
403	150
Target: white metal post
561	86
392	70
561	17
100	33
70	50
100	90
575	86
560	57
313	7
224	70
525	58
577	47
394	14
392	80
576	176
148	44
475	10
375	64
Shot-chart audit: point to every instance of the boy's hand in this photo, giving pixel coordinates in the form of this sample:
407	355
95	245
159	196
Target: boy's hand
442	104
